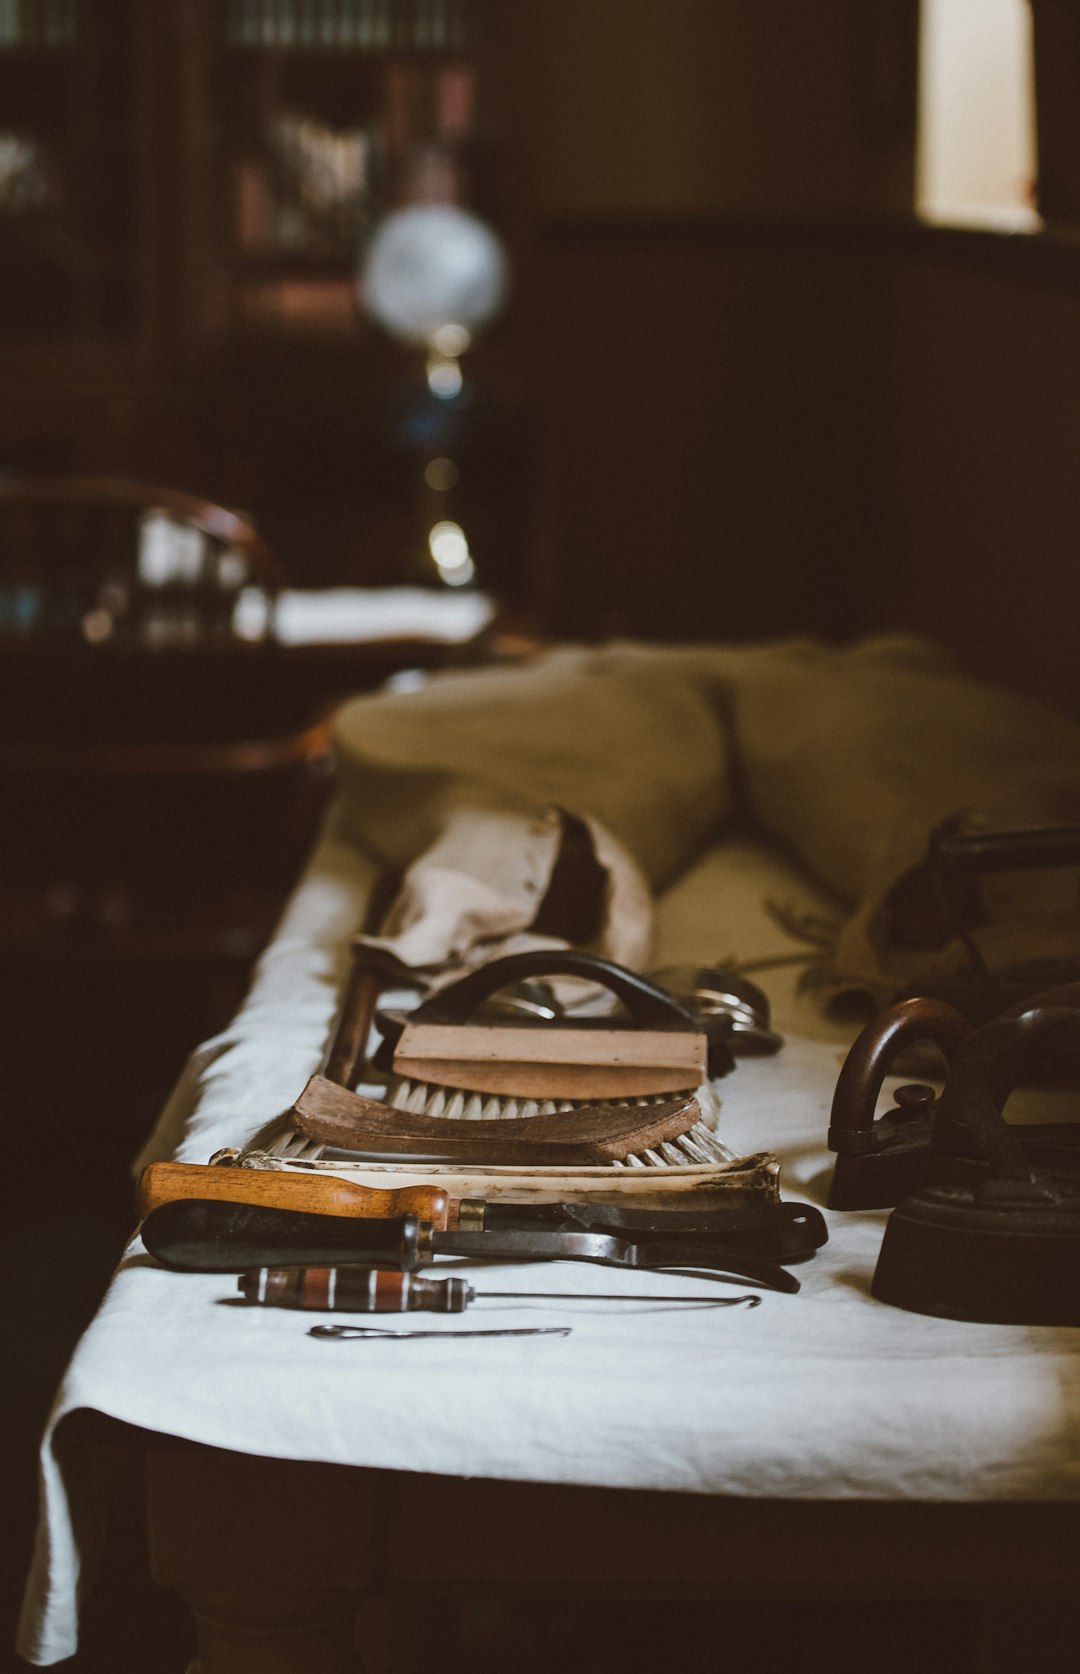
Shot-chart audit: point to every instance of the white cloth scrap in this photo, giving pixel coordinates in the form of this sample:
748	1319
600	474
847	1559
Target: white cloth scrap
473	895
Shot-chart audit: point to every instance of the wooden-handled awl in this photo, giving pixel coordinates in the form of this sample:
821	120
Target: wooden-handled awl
378	1290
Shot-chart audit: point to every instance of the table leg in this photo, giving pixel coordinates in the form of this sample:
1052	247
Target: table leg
271	1556
303	1631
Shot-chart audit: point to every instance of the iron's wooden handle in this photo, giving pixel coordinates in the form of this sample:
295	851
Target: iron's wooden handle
870	1058
319	1194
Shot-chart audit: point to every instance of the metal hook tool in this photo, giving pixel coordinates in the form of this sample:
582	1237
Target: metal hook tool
340	1331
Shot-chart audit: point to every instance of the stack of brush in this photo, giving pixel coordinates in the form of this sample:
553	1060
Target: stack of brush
489	1089
487	1123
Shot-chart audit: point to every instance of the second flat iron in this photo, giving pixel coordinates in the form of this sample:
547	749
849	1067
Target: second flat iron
881	1160
1004	1249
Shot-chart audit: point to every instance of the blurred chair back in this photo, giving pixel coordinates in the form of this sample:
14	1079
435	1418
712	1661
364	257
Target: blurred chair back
105	560
156	795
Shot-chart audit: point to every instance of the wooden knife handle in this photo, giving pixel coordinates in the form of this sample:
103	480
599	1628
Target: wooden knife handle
319	1194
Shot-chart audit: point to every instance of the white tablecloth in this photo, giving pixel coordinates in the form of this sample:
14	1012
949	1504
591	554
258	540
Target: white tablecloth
827	1394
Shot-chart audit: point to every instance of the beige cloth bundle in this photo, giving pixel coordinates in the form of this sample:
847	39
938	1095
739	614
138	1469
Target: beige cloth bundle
846	757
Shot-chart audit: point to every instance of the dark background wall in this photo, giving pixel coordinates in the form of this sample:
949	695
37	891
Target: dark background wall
738	389
773	399
705	304
717	425
985	420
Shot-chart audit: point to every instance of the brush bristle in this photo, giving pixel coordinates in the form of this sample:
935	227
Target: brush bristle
426	1098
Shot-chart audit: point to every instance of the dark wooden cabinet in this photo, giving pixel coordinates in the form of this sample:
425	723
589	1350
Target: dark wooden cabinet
185	195
68	172
168	173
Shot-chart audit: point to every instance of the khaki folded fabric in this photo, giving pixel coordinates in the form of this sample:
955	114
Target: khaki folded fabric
465	784
632	740
847	757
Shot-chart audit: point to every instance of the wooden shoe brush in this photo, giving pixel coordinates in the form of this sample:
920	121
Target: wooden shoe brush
447	1062
592	1092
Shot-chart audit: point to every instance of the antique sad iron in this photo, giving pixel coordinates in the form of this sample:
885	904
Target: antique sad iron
879	1162
943	901
1005	1248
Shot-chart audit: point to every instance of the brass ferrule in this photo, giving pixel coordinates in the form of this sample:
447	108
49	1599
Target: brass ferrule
471	1213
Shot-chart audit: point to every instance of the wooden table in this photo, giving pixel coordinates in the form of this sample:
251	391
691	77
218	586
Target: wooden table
275	1558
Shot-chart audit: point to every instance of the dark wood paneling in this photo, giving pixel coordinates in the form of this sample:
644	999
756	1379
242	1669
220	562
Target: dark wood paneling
754	428
986	409
716	425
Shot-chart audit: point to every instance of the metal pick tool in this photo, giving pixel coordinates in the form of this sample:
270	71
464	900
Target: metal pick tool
601	1296
341	1331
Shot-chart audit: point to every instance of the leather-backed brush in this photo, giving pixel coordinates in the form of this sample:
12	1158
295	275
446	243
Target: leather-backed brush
592	1093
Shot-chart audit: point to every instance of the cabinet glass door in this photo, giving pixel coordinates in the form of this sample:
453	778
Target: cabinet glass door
68	189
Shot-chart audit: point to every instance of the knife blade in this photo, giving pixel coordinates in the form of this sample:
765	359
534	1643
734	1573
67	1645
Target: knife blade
776	1231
